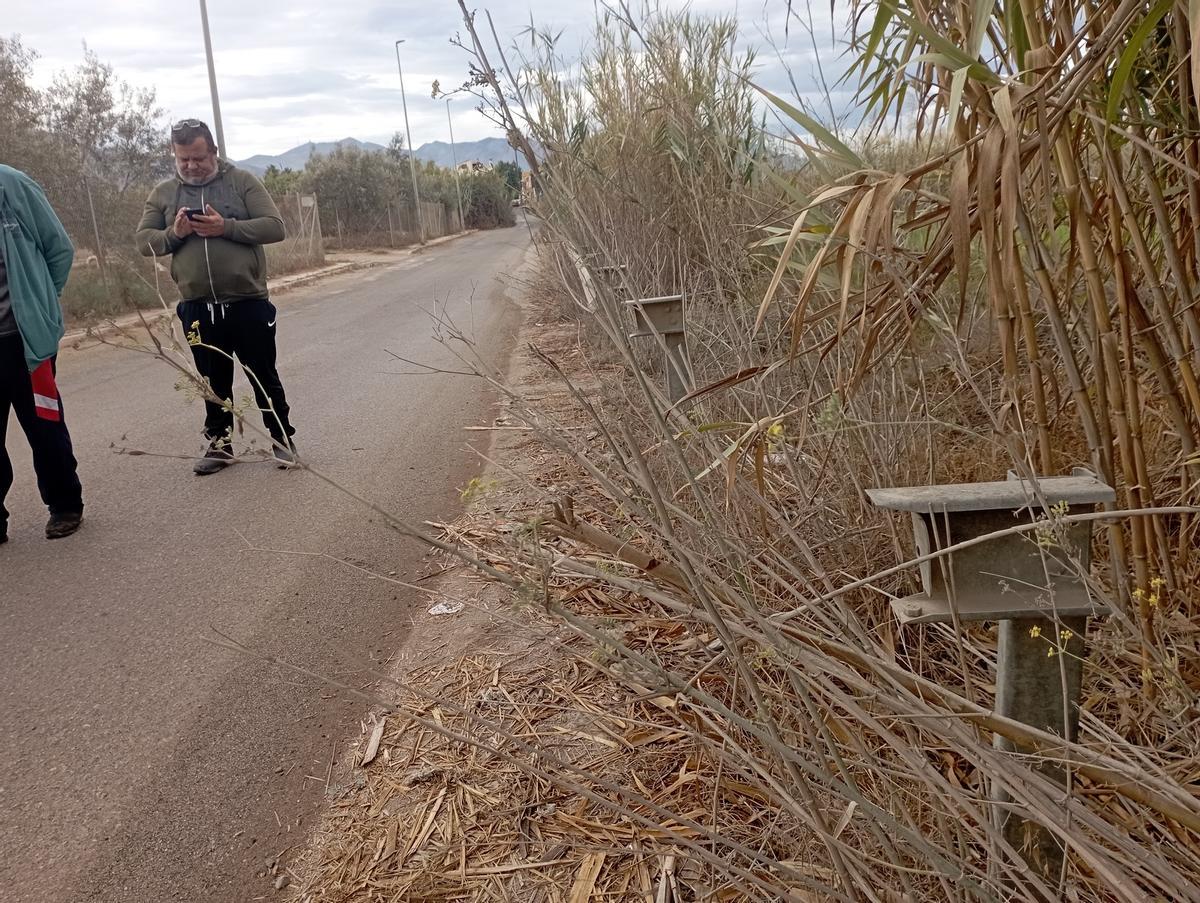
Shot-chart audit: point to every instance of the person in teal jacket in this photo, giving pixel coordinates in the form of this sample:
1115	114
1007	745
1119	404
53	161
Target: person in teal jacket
35	261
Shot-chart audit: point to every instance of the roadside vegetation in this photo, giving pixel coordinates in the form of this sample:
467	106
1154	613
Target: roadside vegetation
998	270
96	144
366	198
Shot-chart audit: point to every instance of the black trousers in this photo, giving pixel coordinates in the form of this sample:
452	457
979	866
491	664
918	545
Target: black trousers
245	329
53	457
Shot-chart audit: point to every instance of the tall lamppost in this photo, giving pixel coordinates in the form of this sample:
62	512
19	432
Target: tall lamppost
462	223
412	156
212	82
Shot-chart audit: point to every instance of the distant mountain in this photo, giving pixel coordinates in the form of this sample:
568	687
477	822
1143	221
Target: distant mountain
297	157
487	150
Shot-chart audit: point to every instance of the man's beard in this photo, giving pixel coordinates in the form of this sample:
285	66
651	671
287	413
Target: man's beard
196	180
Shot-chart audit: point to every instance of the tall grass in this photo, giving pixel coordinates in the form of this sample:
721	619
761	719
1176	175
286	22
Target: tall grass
1012	284
1068	175
125	284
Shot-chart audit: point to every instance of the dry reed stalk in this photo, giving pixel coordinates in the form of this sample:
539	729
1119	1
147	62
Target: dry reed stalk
1069	338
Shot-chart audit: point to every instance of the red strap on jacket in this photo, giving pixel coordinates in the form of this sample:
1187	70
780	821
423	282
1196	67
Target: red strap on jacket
45	393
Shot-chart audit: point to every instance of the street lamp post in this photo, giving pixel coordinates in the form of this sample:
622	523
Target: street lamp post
462	223
212	82
412	156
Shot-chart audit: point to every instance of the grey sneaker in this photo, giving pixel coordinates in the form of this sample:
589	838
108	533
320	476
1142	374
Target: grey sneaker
216	457
284	455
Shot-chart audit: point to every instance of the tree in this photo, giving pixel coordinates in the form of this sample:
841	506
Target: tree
113	127
510	174
111	132
489	204
281	181
20	110
24	142
357	186
395	148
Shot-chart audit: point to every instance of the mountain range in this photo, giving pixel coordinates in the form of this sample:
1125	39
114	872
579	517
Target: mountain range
486	150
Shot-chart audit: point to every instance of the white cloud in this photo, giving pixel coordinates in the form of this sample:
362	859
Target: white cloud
291	71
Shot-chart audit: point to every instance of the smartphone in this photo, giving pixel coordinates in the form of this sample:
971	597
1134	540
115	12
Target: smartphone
193	212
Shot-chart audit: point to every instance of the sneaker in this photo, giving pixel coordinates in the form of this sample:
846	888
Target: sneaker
216	457
61	525
284	455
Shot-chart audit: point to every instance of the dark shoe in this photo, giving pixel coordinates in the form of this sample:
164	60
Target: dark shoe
285	455
216	457
61	525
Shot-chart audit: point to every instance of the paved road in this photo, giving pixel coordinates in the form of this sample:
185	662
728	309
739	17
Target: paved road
139	762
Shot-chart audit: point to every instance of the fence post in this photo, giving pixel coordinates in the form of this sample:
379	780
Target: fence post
315	227
101	261
391	236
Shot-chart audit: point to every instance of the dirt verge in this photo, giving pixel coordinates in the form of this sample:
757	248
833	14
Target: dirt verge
490	776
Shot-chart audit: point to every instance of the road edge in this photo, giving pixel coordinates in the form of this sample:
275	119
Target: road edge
425	625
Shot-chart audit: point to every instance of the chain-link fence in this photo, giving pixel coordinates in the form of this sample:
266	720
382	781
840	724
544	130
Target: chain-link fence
394	227
304	247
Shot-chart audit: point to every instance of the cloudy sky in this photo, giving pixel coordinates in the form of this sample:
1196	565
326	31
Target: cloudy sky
293	71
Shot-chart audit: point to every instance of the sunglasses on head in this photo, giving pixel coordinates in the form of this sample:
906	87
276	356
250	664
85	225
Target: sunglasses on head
187	124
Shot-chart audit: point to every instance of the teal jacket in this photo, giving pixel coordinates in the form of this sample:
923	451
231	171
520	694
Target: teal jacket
37	255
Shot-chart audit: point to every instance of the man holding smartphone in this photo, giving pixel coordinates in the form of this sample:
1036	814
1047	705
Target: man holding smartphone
213	219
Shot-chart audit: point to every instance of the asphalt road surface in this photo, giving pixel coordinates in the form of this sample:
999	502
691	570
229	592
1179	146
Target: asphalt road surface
138	760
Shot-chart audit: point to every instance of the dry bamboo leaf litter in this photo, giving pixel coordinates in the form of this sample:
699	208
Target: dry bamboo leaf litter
501	831
372	748
503	824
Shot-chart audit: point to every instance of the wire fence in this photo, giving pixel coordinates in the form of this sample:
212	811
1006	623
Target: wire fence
395	226
304	246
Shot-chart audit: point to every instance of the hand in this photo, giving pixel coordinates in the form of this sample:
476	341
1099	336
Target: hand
182	227
210	225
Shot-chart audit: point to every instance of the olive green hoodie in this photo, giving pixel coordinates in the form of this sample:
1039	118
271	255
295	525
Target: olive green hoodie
228	268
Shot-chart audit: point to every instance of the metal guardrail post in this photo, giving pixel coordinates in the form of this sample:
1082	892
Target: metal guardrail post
1032	585
663	318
